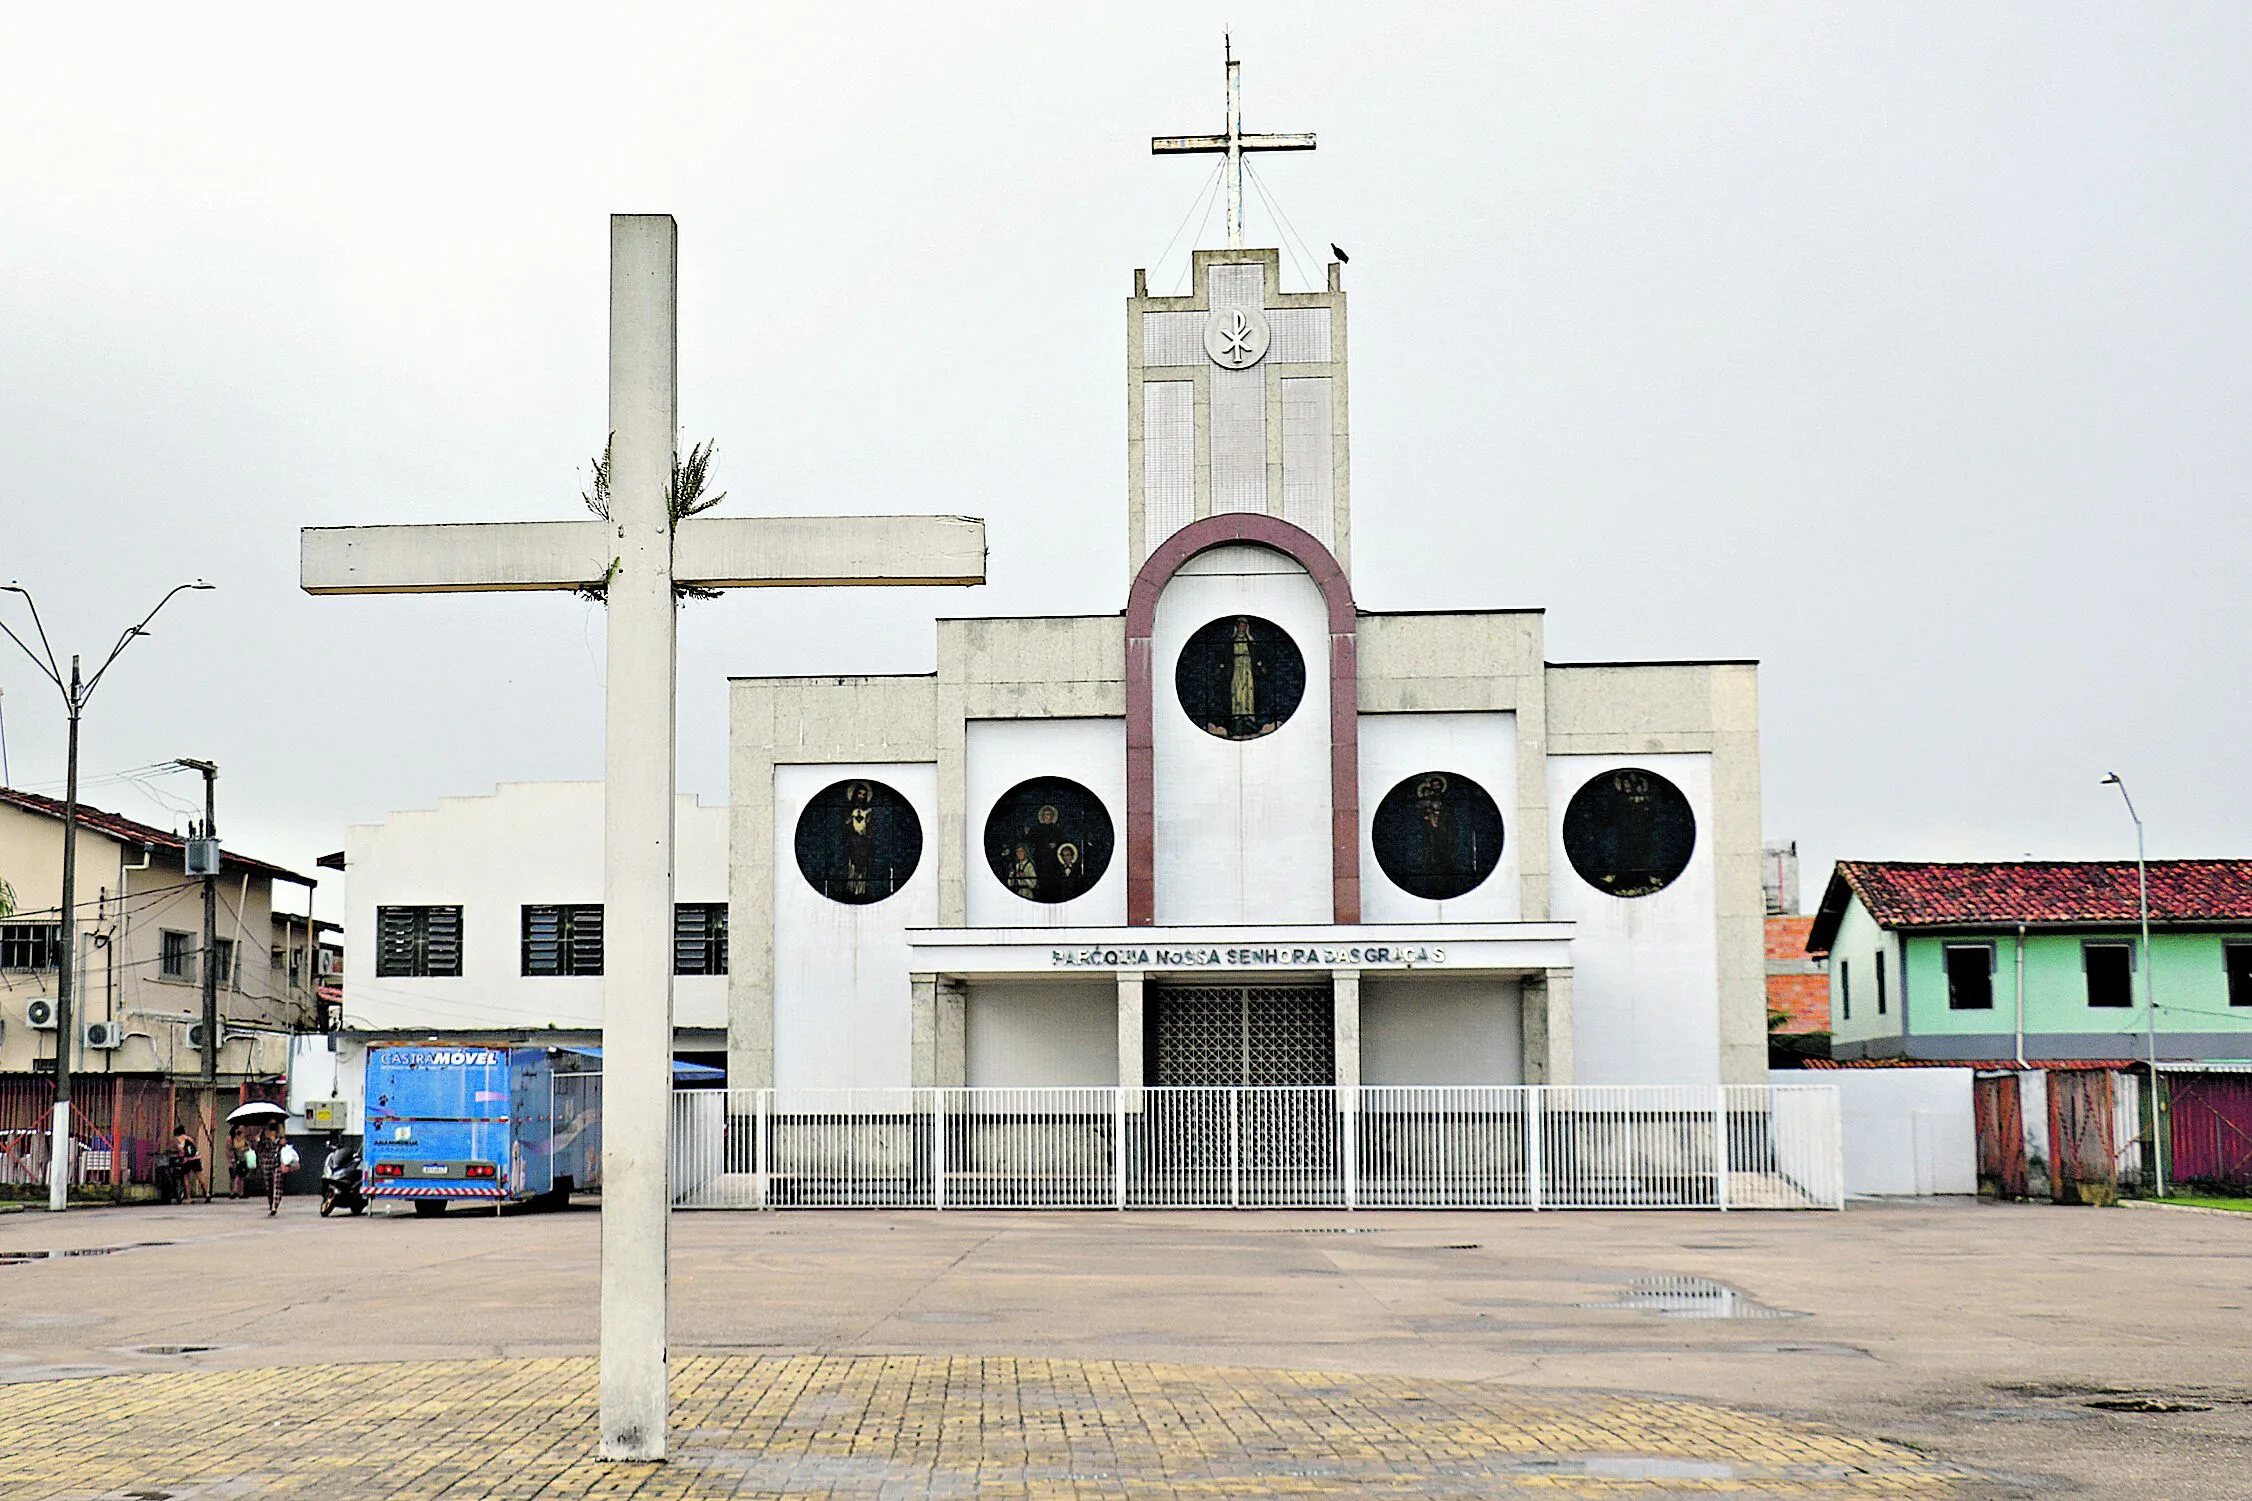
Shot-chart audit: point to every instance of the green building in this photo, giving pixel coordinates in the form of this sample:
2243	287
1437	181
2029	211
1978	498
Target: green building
2038	961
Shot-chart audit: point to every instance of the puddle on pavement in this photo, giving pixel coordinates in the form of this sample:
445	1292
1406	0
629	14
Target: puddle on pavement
1692	1298
1624	1467
2018	1414
2147	1404
16	1375
18	1258
171	1349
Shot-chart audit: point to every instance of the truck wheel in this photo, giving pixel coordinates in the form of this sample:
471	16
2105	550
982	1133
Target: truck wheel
426	1208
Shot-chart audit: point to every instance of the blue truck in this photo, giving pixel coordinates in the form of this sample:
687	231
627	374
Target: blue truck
480	1125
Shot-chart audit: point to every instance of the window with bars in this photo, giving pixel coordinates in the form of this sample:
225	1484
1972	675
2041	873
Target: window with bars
223	960
563	939
176	955
699	938
30	945
412	942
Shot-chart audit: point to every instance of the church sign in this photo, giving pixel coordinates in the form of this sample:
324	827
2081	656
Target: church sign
1356	956
1458	948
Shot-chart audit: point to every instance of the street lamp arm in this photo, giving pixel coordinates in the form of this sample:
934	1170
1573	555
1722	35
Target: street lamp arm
49	666
125	638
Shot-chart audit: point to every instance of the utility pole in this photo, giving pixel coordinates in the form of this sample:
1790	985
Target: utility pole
75	694
66	965
2150	995
210	837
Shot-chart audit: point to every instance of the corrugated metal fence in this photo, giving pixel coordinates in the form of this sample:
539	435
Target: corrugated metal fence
119	1123
1531	1147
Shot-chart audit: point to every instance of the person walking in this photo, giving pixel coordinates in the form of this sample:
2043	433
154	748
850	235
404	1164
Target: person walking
271	1146
238	1172
190	1164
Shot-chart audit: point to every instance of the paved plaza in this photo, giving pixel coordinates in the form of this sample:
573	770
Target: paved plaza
1947	1349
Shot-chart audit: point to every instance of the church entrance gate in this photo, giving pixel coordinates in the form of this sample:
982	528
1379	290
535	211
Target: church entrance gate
1239	1105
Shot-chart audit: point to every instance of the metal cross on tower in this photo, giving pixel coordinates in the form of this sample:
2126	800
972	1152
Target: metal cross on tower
1232	144
641	557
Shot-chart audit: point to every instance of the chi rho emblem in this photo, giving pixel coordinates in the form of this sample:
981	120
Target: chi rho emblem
1236	338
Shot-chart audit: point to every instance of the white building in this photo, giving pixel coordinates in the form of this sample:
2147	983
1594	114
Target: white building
1246	830
483	916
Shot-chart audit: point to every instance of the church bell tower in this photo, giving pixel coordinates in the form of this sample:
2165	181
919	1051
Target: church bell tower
1236	392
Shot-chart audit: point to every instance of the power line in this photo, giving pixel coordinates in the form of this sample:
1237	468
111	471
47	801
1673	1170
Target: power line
1202	193
1282	220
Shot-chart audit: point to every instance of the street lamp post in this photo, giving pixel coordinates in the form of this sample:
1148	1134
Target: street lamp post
75	691
2150	993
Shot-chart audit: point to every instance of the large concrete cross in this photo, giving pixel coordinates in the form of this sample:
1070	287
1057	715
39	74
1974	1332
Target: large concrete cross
640	557
1232	143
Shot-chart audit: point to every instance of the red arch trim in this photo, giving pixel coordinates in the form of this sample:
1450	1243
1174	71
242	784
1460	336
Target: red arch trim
1344	704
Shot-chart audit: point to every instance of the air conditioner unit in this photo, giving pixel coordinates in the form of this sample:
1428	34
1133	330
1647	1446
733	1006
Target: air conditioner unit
40	1014
103	1036
195	1035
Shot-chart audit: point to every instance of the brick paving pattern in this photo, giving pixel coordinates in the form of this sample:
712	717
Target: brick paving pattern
894	1426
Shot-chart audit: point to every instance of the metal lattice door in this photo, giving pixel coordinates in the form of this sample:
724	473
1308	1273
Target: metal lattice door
1233	1035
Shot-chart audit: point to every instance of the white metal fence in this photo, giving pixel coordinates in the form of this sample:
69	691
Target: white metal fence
1390	1147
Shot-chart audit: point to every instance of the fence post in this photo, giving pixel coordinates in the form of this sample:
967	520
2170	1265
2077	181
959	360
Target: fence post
1534	1129
938	1149
1349	1121
1837	1145
1720	1145
117	1136
1118	1148
1235	1148
763	1161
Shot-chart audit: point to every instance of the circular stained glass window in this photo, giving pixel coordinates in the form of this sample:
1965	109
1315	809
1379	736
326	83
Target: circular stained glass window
1048	840
1437	835
858	841
1240	677
1629	832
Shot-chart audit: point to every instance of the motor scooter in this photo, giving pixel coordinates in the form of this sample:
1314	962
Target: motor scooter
171	1182
340	1182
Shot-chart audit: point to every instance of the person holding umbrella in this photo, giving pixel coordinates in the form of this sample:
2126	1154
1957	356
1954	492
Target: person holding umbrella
269	1156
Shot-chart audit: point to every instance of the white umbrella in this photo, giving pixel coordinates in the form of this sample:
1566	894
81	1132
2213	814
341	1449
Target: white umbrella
256	1110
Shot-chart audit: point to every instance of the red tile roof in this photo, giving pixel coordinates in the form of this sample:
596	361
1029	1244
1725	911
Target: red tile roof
1988	1065
117	826
1904	894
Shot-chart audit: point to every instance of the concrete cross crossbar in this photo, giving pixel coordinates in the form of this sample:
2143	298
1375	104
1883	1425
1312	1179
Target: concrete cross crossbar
715	552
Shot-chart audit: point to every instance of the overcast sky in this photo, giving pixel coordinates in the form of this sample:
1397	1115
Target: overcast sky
1901	347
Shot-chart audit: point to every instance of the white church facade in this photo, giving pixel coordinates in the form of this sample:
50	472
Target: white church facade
1247	831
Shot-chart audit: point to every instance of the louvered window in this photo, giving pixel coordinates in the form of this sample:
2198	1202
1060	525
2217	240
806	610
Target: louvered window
563	939
699	938
415	941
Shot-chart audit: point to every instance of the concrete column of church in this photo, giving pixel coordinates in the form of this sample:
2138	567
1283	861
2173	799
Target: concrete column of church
951	1029
1130	1038
1546	1023
1532	1027
1345	1027
637	894
922	1031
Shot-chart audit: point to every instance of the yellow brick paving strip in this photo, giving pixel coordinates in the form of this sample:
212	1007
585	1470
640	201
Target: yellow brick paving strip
924	1426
